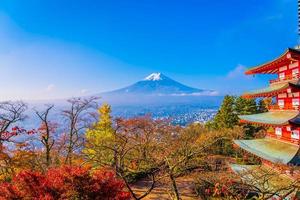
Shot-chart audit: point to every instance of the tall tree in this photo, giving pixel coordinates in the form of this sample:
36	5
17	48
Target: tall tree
226	116
263	105
99	137
10	114
245	106
46	131
78	118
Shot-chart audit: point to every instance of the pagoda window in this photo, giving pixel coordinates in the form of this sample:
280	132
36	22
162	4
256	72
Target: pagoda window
281	102
283	68
295	102
281	76
296	94
278	131
282	95
295	72
295	134
293	65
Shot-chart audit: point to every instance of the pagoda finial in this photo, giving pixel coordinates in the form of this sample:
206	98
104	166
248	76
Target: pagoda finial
299	20
298	43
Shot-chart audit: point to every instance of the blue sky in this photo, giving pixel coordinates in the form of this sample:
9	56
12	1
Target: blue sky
64	48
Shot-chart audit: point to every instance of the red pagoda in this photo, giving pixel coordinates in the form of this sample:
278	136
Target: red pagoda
281	144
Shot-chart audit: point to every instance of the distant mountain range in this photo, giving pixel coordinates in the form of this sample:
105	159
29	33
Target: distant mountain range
157	89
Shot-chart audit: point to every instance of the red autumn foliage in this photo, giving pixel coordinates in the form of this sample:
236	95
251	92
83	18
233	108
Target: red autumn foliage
66	182
15	131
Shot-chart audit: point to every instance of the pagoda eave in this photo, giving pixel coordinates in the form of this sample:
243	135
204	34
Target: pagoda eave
250	172
272	150
289	56
272	90
262	124
271	118
266	94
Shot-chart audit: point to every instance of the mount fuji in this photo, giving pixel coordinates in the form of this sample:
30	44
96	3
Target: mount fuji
157	84
157	88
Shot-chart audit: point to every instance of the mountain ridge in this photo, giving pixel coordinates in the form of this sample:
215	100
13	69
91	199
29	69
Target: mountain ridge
157	84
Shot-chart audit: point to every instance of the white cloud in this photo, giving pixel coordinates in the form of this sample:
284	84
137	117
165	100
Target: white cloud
236	82
84	91
204	93
50	88
237	73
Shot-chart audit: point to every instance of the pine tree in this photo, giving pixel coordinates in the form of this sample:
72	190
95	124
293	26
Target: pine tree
263	105
245	106
226	116
100	136
248	107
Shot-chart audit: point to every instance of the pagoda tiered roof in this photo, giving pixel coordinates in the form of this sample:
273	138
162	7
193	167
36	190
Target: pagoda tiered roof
272	150
272	90
272	118
273	66
252	174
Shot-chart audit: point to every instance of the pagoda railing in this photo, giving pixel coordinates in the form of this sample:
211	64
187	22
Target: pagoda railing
285	107
280	137
287	77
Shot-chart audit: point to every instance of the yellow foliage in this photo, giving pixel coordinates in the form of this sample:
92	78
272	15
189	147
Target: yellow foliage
99	136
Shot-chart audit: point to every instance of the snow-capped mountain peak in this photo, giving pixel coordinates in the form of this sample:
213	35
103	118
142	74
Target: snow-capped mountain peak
157	84
154	77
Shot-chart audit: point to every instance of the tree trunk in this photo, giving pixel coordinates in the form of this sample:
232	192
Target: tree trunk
174	186
116	159
48	159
